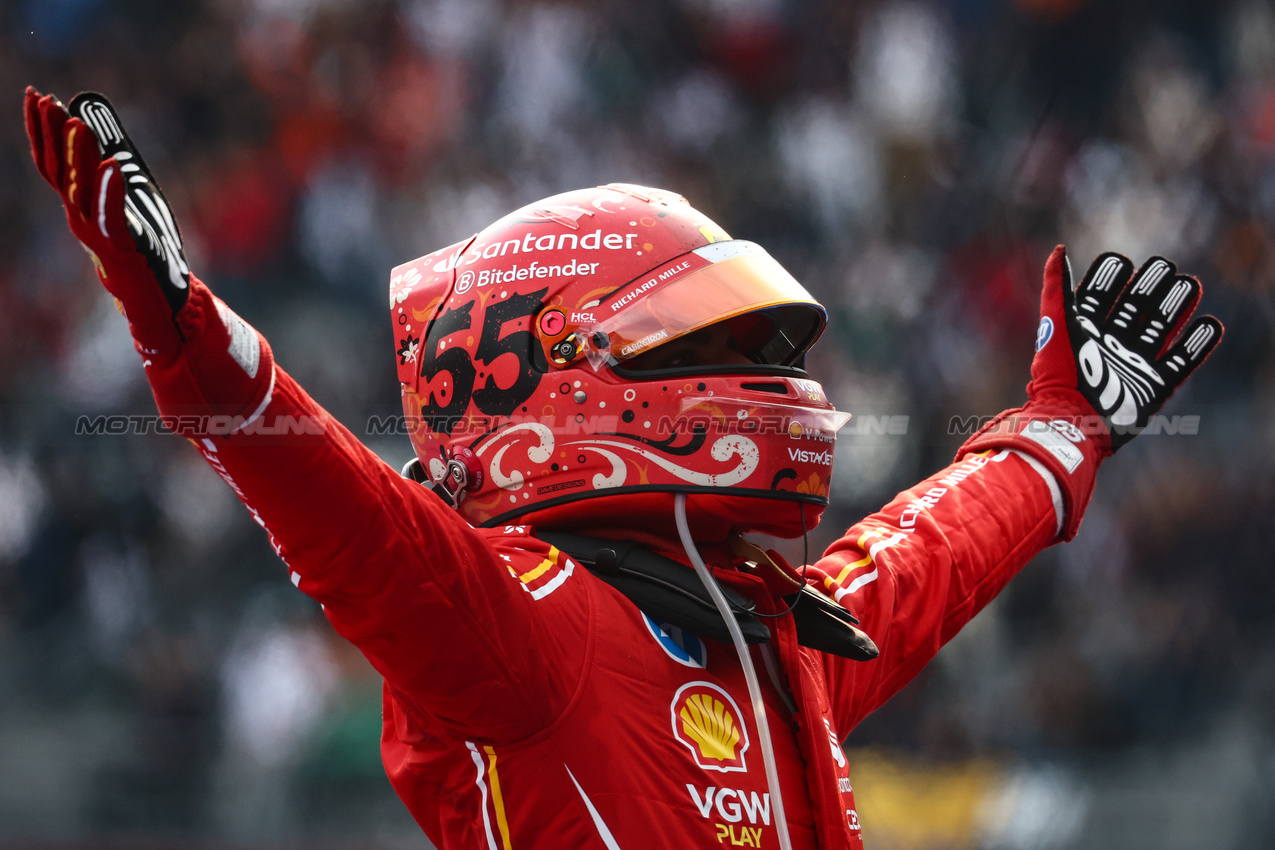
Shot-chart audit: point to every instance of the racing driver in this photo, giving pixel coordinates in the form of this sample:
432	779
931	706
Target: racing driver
605	393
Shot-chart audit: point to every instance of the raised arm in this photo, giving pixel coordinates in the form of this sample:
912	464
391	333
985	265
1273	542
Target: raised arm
919	569
1109	353
433	603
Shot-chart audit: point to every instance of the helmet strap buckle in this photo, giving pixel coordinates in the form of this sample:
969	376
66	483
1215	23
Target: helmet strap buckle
462	474
451	487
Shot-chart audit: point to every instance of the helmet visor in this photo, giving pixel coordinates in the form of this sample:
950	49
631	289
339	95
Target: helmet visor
715	284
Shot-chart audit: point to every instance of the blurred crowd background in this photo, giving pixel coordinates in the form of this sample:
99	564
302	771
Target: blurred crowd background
161	682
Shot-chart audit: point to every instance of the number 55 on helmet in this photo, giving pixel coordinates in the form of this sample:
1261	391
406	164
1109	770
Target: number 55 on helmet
598	351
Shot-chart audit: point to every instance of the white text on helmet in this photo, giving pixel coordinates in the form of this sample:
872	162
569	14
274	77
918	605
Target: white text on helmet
631	294
487	277
807	456
648	340
594	241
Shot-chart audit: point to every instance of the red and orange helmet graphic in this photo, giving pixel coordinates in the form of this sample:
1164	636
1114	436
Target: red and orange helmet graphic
526	353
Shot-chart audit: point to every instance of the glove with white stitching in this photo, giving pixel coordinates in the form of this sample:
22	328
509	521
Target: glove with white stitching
199	356
1109	353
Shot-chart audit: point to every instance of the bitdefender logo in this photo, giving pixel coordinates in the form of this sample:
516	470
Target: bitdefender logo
486	277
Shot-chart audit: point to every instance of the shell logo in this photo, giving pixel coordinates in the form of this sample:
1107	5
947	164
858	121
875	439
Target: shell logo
708	721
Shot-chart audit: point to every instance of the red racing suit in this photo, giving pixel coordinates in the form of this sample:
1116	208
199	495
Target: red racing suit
529	704
526	702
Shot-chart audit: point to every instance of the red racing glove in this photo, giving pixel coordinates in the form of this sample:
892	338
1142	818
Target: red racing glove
201	359
1109	354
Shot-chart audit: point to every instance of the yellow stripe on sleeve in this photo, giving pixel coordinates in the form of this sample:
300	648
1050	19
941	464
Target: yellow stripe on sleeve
544	567
497	801
862	562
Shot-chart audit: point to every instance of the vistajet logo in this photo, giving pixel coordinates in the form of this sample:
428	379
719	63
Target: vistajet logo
807	456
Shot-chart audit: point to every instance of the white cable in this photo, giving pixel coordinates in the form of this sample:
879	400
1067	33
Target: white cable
746	661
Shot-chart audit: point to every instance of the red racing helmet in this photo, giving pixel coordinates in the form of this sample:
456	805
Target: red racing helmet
591	354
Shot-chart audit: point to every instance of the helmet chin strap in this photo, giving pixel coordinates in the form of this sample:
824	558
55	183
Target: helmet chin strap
745	660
